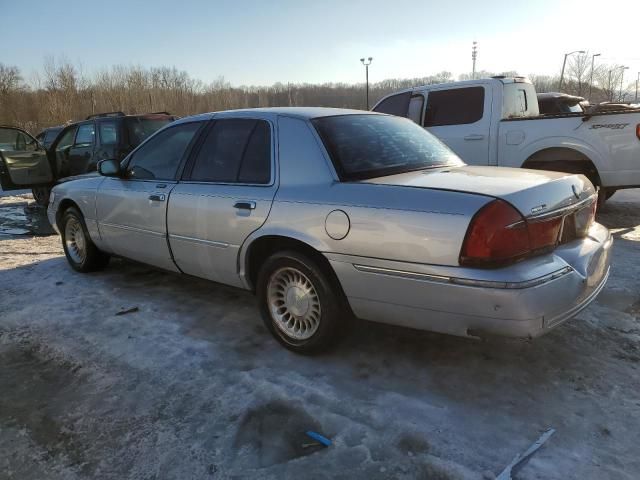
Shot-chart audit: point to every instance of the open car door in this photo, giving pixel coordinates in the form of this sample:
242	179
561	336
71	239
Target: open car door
23	161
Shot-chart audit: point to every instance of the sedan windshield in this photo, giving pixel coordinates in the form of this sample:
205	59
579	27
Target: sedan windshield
367	146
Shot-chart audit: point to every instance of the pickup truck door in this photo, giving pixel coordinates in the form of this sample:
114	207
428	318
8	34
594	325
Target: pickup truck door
23	161
81	152
225	194
461	118
132	209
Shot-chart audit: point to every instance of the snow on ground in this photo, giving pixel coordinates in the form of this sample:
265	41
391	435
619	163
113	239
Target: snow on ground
193	386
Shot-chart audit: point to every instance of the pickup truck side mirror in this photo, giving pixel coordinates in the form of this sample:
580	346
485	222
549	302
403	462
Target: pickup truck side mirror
109	168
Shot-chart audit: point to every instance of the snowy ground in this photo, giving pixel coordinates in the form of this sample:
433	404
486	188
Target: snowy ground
193	386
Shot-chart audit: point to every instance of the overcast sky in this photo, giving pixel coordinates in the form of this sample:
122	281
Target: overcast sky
262	42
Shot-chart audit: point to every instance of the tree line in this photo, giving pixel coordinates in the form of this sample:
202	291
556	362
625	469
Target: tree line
61	92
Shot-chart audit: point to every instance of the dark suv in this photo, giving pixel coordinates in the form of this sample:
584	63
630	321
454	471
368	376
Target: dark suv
48	135
78	148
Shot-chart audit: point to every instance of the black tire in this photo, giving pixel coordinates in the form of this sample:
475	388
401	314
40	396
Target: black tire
92	259
41	195
333	315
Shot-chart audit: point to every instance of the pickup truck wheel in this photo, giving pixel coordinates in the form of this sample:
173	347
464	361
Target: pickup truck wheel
298	303
41	195
81	252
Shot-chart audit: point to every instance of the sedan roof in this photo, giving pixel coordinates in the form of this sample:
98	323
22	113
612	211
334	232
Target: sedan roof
298	112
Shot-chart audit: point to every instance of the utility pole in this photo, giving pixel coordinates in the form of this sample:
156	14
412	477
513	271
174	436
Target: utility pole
564	65
366	68
474	55
593	59
637	80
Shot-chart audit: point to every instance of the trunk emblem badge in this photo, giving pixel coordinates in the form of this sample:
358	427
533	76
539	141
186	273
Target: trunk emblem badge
575	191
538	209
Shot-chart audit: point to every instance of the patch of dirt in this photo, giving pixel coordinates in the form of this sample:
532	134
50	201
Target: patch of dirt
274	433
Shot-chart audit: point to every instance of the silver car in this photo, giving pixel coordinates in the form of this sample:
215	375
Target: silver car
329	214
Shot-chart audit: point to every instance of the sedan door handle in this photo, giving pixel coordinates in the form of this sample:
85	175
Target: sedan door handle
474	136
245	205
157	197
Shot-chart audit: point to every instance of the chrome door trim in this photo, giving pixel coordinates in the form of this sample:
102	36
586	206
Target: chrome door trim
199	240
131	229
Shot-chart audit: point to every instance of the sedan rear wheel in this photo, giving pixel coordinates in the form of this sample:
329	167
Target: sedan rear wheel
299	303
81	252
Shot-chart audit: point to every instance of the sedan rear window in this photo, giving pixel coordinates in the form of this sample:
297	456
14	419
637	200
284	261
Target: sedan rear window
367	146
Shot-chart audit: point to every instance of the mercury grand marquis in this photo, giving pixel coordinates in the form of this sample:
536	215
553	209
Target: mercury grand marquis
330	214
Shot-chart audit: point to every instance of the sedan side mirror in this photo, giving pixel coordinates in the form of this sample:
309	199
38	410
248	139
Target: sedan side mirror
109	168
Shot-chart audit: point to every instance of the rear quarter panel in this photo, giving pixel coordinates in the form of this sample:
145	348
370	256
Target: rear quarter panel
387	222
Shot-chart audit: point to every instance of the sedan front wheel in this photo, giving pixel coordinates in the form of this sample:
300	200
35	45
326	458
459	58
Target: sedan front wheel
299	304
79	249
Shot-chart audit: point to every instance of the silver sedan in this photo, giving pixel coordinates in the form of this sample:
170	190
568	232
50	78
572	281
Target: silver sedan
328	214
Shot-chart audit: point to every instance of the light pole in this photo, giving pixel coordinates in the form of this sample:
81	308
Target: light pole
621	80
593	59
564	64
474	55
610	87
366	64
637	81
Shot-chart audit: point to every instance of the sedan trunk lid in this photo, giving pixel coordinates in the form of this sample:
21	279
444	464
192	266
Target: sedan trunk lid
532	192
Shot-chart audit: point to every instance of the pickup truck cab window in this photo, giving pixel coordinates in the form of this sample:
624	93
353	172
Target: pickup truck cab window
415	109
395	104
457	106
235	151
159	158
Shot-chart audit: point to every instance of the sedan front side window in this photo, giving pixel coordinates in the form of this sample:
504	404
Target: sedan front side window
159	158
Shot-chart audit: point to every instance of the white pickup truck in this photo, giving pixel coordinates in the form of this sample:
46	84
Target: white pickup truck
496	121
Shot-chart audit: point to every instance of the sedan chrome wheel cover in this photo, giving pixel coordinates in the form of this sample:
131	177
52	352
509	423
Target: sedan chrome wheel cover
75	241
294	303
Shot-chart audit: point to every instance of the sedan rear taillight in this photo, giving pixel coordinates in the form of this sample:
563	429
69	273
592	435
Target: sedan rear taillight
499	235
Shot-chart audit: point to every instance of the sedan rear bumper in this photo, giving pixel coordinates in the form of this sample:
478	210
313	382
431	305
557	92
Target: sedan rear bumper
524	300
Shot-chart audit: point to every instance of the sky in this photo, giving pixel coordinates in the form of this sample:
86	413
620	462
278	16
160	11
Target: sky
252	42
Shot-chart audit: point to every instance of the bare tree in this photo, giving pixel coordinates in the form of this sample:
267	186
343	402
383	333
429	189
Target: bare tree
578	70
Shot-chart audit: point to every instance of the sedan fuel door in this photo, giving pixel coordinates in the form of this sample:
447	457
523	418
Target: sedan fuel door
23	161
132	207
226	194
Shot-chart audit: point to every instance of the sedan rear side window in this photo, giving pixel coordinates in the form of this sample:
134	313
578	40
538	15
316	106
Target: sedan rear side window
158	159
367	146
457	106
235	151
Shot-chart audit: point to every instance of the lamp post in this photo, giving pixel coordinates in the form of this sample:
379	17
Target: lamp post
474	56
621	80
564	64
610	87
366	64
593	59
637	81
